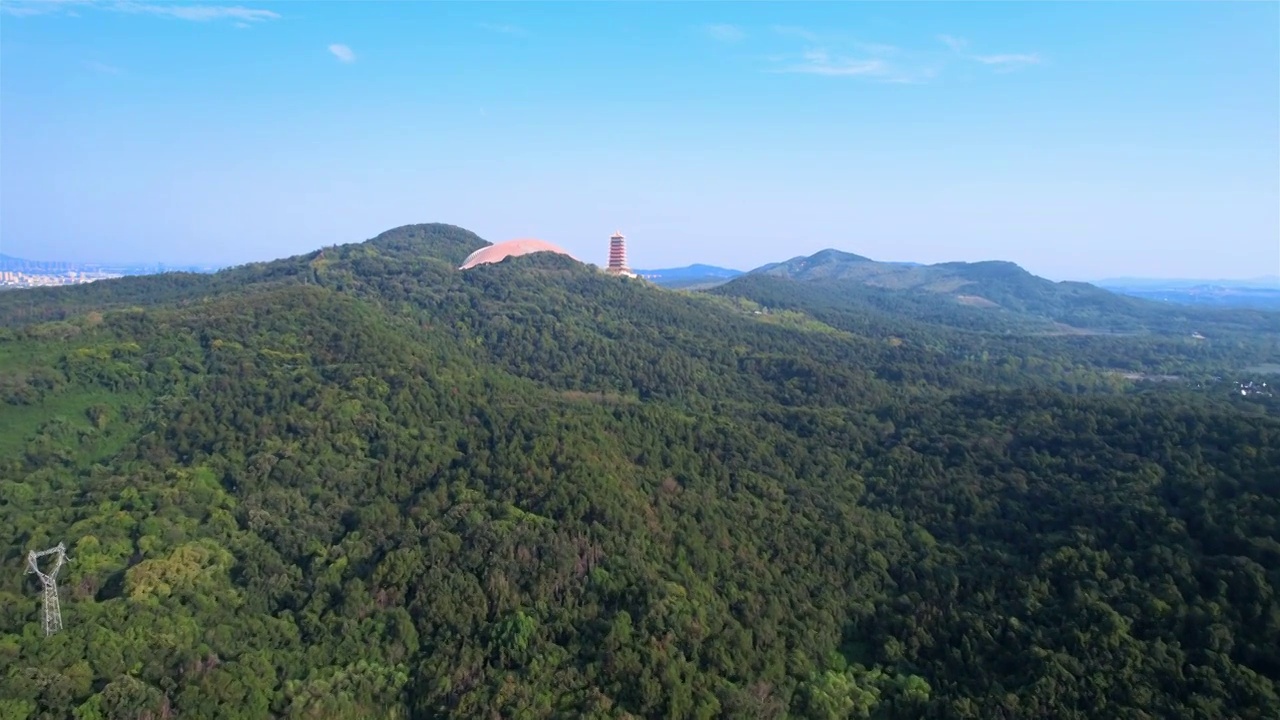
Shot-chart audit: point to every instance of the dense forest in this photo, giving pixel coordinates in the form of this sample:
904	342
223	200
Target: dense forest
361	483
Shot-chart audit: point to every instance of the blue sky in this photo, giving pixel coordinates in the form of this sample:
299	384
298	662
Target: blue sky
1081	140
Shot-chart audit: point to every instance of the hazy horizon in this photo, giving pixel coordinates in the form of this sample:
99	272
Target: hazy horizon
1081	141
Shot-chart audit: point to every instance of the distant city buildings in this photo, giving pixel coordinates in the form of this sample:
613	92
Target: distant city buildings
20	273
11	279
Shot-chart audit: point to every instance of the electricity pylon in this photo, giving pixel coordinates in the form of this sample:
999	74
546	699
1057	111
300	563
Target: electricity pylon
52	609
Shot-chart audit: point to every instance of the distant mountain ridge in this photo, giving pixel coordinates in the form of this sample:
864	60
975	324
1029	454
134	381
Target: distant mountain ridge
696	276
987	283
1209	296
1262	293
989	296
8	263
1262	281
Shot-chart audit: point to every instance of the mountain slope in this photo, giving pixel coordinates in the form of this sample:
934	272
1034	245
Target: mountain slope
430	247
361	483
982	284
992	296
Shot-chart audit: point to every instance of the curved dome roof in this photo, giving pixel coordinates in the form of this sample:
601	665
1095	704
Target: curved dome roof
511	248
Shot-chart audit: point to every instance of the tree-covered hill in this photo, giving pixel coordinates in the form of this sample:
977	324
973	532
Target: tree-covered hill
827	264
1196	341
362	483
422	247
987	296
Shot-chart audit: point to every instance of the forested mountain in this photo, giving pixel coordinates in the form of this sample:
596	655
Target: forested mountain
362	483
989	296
824	264
993	285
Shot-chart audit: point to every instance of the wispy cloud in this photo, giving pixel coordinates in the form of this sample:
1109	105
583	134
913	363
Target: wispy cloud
953	42
198	13
847	57
796	32
725	33
818	62
831	53
503	28
191	12
343	53
28	8
20	10
102	68
1009	60
877	48
1002	62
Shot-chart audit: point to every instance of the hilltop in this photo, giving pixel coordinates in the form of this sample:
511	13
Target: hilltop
359	482
990	284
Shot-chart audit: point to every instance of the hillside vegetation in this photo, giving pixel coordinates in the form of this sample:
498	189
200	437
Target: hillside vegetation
360	483
989	296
